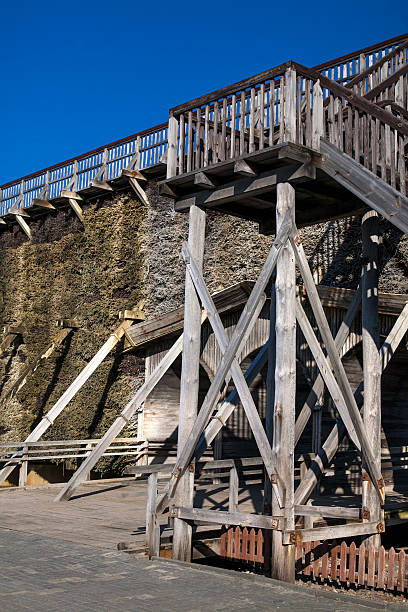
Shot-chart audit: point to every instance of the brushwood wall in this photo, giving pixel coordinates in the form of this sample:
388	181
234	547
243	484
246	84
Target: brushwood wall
124	252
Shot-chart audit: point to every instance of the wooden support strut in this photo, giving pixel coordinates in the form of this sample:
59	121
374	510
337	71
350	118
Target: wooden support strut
325	456
237	375
123	419
246	322
189	384
337	365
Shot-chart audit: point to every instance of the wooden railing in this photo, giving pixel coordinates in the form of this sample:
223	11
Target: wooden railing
139	151
344	69
287	103
44	451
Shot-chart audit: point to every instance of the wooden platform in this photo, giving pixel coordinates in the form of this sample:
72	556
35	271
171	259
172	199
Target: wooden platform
246	187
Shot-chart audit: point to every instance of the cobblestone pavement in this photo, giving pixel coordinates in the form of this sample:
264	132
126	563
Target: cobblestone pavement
46	574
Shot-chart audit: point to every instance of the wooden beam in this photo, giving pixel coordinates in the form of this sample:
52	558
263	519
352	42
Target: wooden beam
245	323
24	225
76	208
316	392
204	181
102	185
136	174
139	191
236	372
189	384
243	168
152	525
371	359
329	512
241	188
329	449
326	371
242	519
42	203
283	557
136	314
71	195
333	532
337	365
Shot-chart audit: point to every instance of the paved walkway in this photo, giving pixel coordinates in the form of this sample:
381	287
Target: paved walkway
47	575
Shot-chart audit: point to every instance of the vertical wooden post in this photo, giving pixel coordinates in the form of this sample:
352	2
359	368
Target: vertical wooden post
283	557
371	362
75	176
270	401
317	116
189	382
22	194
233	490
172	138
152	526
23	472
289	106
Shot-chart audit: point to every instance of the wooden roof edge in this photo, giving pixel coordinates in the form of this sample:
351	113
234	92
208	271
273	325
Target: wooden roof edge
145	332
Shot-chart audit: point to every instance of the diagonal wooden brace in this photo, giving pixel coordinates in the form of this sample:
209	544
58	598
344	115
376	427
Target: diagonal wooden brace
326	371
318	385
336	364
246	321
236	372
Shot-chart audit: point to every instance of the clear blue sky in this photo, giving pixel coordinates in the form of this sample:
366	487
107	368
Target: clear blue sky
76	75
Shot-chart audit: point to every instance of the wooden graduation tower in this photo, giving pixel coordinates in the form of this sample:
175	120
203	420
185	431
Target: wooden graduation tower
287	148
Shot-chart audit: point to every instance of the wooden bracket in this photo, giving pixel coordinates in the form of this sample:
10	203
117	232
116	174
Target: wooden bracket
102	185
68	323
133	315
77	209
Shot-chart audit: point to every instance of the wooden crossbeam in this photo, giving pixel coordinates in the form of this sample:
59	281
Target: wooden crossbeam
329	448
246	321
318	386
236	372
337	365
123	419
23	224
219	517
328	512
333	532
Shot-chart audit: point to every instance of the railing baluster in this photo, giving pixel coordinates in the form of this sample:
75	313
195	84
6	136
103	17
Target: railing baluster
232	126
242	125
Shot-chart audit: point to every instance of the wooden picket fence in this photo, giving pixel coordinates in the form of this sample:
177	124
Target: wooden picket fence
343	564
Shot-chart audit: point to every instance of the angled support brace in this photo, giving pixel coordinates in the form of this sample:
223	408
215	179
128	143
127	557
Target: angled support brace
325	456
337	365
236	372
246	321
318	386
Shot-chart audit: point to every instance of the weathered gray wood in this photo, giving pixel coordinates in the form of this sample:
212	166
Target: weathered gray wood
246	322
228	518
329	448
22	477
76	208
24	225
226	409
233	490
326	372
270	402
337	365
152	526
182	535
172	138
371	359
317	116
283	557
289	106
236	372
333	532
328	511
139	191
373	191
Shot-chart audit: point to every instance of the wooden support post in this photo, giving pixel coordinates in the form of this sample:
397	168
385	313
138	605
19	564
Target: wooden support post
283	557
289	106
270	402
172	147
371	361
152	526
317	116
233	490
22	477
189	383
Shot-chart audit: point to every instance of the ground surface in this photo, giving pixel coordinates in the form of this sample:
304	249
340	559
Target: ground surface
41	573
